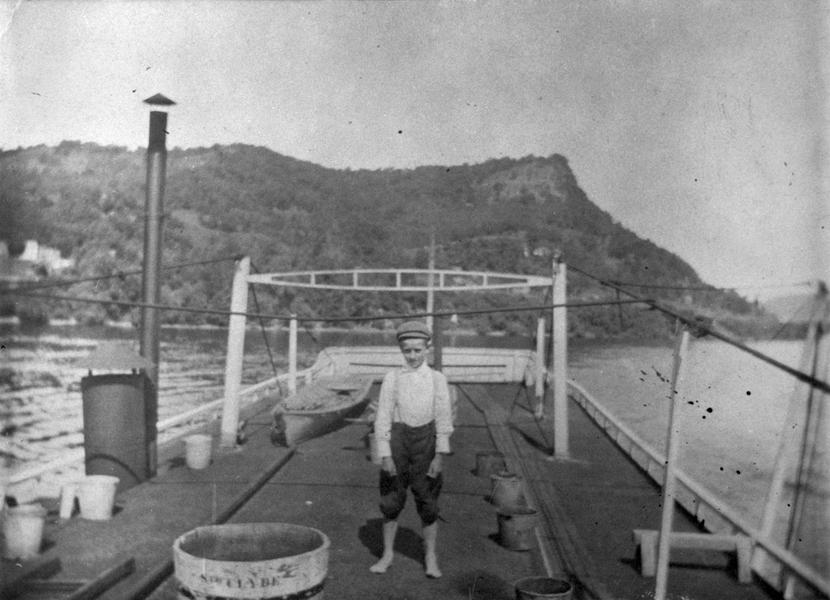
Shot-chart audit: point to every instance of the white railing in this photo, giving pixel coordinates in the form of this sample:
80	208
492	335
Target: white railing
460	365
712	512
419	280
76	456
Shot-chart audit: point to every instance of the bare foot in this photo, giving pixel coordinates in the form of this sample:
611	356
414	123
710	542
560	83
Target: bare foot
381	565
432	569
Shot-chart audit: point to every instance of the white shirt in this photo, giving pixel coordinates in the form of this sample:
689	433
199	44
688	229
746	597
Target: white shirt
414	397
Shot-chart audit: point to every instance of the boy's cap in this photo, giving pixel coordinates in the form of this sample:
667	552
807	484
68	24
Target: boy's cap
413	329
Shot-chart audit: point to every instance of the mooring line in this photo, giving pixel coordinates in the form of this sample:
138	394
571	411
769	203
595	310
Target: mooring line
702	328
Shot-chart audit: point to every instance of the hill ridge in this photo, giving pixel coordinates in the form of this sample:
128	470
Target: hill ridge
504	214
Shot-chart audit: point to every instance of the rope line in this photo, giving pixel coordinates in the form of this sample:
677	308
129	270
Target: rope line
706	288
117	274
330	319
807	303
264	334
654	304
700	327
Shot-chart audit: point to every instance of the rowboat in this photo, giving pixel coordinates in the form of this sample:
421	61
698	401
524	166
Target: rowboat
319	407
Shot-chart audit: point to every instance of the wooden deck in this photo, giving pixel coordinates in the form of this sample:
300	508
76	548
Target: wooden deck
591	504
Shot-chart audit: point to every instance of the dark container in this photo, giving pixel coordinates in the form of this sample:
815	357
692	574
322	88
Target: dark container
119	427
543	588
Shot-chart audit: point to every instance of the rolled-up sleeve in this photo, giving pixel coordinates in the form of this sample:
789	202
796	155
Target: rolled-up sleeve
383	416
443	414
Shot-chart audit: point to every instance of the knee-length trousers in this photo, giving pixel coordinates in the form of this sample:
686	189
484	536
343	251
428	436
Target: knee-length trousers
413	449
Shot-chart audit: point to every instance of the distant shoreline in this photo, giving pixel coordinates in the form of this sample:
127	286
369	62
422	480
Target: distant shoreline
123	325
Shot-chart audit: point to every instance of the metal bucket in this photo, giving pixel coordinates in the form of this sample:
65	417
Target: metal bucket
197	451
543	588
516	526
507	490
251	560
489	463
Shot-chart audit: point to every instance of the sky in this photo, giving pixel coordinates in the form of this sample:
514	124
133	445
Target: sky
700	126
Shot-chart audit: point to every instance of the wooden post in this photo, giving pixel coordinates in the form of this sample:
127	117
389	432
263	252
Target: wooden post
235	353
793	429
669	480
807	529
559	359
437	345
539	367
292	355
431	283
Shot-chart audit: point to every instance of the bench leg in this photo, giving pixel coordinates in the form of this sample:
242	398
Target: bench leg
743	551
648	553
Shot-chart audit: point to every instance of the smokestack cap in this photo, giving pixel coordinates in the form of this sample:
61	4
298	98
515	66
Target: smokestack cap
159	100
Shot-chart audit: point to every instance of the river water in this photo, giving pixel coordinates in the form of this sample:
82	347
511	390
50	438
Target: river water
733	405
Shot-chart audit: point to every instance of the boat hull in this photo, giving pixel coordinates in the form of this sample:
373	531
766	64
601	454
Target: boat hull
294	425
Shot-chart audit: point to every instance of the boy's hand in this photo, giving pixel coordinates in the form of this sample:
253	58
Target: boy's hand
435	466
388	465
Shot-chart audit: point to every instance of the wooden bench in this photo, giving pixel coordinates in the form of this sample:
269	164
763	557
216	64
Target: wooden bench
647	539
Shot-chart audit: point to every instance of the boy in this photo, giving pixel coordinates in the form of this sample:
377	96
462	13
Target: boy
413	425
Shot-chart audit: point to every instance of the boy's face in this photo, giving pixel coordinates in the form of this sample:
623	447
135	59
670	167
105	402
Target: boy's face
414	351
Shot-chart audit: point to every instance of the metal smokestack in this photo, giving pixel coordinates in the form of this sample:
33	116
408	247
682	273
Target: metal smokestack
153	216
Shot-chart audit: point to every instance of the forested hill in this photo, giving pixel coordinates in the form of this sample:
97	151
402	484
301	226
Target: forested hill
503	214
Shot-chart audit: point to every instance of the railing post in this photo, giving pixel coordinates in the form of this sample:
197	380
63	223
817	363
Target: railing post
669	480
559	359
292	355
437	345
235	354
539	367
430	283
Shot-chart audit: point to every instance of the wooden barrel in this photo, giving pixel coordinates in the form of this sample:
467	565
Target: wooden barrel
251	560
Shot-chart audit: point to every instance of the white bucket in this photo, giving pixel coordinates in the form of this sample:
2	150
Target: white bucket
96	496
23	530
197	450
69	492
